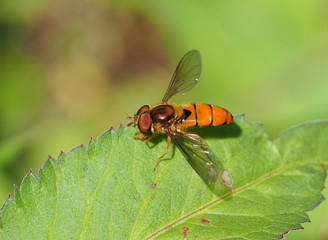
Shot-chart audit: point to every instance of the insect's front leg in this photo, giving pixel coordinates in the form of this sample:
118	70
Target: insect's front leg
167	150
151	137
140	136
144	137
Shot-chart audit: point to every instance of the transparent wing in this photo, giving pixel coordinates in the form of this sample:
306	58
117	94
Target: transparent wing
198	154
185	76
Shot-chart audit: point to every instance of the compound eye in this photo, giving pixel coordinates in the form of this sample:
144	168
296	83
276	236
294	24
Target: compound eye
144	123
143	109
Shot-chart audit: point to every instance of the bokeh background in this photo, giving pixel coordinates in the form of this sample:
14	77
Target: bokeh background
72	69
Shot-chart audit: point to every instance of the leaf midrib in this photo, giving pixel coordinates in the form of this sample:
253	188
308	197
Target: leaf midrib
228	195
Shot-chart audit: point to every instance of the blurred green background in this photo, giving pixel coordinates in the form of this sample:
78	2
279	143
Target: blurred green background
72	69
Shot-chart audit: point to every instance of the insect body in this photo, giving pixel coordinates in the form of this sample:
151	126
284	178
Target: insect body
205	115
173	119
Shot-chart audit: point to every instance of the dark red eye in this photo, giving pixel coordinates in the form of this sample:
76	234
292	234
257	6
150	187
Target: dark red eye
143	109
144	123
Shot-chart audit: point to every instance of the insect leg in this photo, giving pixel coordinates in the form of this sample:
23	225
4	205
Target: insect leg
143	137
140	135
133	120
167	150
151	137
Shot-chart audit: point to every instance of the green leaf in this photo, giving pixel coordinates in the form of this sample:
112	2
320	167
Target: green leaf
110	192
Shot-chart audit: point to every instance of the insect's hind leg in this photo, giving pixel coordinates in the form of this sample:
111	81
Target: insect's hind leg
167	150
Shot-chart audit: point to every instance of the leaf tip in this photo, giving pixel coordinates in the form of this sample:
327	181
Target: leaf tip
260	124
240	117
282	236
316	205
15	190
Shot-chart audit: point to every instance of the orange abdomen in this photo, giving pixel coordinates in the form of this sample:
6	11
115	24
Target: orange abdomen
205	115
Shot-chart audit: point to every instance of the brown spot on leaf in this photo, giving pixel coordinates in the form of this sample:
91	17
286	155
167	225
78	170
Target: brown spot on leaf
205	220
185	230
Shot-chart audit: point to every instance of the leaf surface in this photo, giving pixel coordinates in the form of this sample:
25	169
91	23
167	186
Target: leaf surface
108	191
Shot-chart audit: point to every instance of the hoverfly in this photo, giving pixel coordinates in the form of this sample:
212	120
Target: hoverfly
173	119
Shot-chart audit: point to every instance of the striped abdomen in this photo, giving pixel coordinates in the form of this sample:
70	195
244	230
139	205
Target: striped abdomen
205	115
